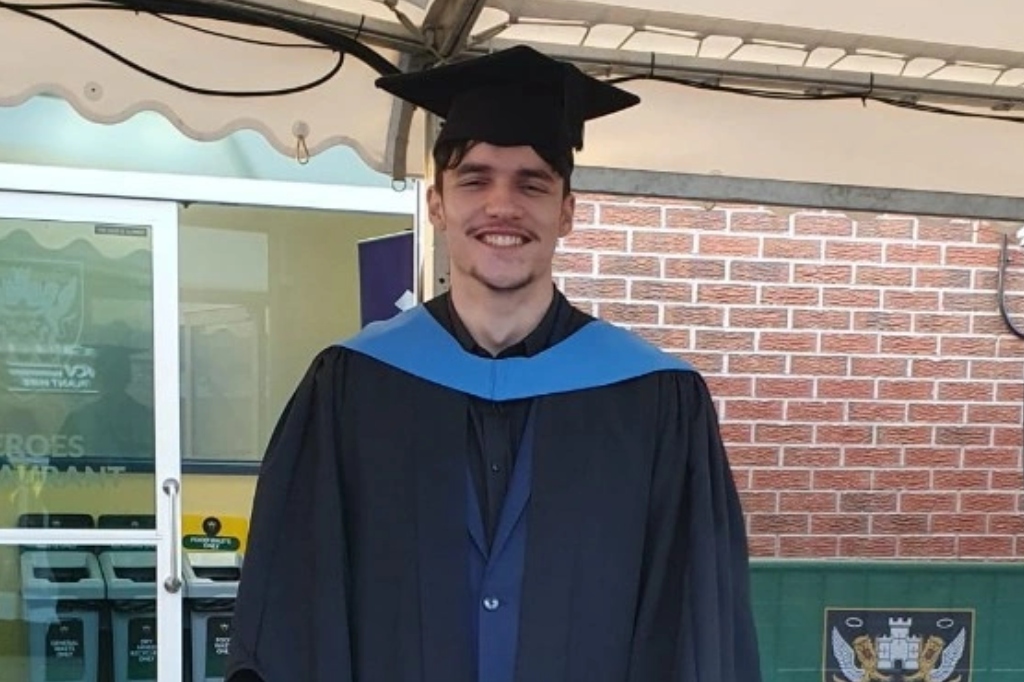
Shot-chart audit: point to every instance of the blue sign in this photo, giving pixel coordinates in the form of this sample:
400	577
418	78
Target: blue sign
386	271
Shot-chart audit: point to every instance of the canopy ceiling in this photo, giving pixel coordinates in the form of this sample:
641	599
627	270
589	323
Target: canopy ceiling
817	92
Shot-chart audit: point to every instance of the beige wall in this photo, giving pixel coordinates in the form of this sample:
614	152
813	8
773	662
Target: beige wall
312	270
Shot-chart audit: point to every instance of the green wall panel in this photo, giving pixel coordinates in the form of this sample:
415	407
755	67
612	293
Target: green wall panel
791	599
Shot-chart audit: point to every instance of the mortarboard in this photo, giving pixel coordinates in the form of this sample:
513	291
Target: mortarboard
513	97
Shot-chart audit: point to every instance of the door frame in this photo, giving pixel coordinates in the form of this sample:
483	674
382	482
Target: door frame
162	219
55	193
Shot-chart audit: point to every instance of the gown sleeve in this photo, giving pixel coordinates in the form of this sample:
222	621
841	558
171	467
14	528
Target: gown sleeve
291	614
695	615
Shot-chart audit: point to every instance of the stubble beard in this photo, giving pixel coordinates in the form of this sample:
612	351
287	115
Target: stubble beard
512	287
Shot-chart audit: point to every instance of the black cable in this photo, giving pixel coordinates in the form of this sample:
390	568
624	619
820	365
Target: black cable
1004	260
58	6
239	39
321	37
751	92
194	89
170	81
794	96
237	12
931	109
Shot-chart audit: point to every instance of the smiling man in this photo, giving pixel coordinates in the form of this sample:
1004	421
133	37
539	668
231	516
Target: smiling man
495	486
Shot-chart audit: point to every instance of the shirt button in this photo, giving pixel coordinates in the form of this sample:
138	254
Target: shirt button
492	603
495	468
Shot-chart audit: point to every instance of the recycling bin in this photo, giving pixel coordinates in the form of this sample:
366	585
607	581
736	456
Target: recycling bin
211	587
62	591
130	577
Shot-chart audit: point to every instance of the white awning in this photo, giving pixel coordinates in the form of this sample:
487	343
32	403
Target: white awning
959	56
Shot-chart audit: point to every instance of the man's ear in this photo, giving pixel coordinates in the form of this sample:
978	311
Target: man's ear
435	209
568	215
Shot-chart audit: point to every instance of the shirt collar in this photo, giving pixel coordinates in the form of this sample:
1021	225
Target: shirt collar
536	341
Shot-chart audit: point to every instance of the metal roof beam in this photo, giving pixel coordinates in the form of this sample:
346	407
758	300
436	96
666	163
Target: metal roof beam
792	78
803	195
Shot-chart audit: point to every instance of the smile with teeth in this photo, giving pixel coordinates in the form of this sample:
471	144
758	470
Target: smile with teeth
502	240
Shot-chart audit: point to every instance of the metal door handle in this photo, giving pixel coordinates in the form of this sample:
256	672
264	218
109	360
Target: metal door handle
172	583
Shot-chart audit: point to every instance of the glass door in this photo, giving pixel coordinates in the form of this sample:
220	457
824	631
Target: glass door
90	549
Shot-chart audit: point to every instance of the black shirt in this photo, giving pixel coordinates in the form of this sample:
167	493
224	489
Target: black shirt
496	428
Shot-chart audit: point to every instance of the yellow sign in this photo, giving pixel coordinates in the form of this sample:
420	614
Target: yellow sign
211	533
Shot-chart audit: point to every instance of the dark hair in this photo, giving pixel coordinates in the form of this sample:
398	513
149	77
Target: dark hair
449	154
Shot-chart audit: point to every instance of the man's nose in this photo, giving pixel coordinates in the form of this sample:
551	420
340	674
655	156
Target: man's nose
502	200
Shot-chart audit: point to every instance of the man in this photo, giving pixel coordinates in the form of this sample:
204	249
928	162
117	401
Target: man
494	486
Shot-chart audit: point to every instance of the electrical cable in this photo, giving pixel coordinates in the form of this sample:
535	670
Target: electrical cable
240	39
113	54
321	38
796	96
325	37
1004	260
238	12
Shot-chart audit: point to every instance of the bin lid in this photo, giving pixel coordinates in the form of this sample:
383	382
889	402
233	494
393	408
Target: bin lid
212	575
61	575
129	574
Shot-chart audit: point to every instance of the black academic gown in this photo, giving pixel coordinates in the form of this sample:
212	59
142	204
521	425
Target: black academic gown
634	562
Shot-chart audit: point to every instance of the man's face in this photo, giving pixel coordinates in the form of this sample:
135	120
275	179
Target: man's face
502	210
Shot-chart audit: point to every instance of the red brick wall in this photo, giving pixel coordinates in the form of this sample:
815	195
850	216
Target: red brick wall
870	394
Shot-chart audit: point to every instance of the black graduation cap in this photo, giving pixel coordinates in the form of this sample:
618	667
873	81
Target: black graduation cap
513	97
